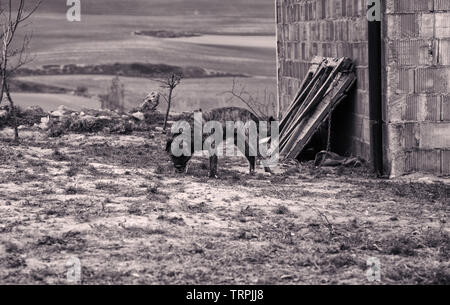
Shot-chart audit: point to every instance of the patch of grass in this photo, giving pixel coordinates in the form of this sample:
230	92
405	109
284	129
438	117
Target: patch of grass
278	179
38	163
245	235
56	211
153	189
305	193
131	193
70	241
93	170
130	157
281	210
11	247
343	260
135	209
248	212
293	171
139	231
28	203
419	274
236	198
47	191
20	176
154	193
13	261
173	220
73	170
260	176
108	187
160	169
423	192
59	156
235	176
198	208
408	245
436	238
73	190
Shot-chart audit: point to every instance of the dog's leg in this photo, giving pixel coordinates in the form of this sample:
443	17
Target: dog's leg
246	151
213	160
252	162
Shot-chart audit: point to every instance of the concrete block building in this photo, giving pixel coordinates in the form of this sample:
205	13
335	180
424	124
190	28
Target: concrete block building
411	73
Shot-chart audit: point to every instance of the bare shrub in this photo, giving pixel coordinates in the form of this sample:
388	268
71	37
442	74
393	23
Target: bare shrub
13	54
114	99
262	105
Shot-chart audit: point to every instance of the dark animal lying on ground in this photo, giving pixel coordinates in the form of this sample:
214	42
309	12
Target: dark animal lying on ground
221	115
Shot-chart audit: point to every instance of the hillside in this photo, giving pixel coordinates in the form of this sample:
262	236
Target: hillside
250	8
106	36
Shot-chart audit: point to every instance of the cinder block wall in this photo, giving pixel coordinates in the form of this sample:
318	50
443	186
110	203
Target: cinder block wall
331	28
417	86
416	94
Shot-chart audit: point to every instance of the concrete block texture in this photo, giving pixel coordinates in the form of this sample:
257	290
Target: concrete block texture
417	78
329	28
416	74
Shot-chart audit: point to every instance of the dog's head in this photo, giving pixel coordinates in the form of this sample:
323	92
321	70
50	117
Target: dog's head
180	162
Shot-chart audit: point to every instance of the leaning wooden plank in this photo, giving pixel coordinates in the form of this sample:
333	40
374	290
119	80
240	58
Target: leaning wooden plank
305	88
286	137
301	113
342	85
289	138
300	144
294	137
319	64
297	100
300	140
316	64
305	97
327	74
325	65
324	88
313	99
307	79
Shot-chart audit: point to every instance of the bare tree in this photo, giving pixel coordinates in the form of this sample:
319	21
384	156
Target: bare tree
169	83
13	55
264	109
114	99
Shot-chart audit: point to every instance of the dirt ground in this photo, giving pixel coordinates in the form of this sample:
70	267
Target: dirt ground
115	203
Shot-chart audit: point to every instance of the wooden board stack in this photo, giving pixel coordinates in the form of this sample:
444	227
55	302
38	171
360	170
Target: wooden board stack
326	84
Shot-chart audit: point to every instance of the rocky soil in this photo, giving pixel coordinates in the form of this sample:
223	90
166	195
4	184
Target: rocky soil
114	202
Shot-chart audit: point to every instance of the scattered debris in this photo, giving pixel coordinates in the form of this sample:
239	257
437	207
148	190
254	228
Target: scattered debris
139	116
326	158
25	117
151	102
64	120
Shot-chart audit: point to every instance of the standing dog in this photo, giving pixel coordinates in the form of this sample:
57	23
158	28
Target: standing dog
221	115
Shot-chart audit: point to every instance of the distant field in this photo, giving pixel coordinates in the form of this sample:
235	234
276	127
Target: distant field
110	39
190	95
243	41
244	8
50	102
106	35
